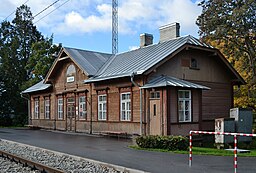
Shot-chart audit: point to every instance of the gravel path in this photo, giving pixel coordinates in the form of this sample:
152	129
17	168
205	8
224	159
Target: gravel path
68	163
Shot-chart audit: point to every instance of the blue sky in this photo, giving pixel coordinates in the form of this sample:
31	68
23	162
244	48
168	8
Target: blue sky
86	24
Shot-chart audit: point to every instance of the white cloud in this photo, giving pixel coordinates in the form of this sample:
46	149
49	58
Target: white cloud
183	11
133	47
74	22
88	16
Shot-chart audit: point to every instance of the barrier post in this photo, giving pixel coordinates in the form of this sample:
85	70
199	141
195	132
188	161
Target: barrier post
218	133
190	148
235	153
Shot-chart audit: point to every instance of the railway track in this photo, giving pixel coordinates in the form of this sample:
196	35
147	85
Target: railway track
28	163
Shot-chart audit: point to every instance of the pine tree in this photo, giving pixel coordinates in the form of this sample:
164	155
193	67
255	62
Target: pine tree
16	40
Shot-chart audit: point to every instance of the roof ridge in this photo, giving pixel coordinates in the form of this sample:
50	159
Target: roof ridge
87	50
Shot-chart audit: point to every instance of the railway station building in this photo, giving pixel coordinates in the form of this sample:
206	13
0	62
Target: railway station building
168	88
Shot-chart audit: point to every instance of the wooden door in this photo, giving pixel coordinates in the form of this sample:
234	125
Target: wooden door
155	120
71	117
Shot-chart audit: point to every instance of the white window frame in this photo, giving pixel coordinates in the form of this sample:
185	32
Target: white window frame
125	107
102	113
60	108
182	108
47	109
36	115
82	108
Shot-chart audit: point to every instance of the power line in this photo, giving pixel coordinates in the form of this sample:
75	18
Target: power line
51	11
45	9
14	11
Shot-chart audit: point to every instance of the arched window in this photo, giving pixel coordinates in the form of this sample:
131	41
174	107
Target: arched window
71	71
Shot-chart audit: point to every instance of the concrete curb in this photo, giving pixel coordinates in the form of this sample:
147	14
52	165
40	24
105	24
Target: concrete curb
104	164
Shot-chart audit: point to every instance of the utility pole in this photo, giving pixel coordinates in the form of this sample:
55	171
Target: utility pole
114	26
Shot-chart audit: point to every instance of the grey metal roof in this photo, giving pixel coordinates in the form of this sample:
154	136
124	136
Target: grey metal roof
89	61
163	81
142	59
40	86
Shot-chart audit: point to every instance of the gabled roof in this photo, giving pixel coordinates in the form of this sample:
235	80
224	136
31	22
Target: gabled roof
140	60
40	86
143	60
88	61
163	81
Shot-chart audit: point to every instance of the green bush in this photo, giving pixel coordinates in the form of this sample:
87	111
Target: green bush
171	143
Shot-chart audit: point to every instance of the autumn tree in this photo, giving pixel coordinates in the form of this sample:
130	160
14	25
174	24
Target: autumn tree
231	27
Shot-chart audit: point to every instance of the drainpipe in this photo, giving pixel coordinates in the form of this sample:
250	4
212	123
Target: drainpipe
134	83
90	131
29	118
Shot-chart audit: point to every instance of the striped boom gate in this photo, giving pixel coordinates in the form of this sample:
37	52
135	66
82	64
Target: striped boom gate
218	133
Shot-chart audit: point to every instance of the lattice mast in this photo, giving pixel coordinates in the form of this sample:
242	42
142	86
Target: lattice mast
114	26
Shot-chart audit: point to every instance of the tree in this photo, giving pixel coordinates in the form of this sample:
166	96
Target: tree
43	53
231	26
16	39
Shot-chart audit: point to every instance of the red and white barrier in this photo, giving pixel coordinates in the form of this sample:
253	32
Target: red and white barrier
218	133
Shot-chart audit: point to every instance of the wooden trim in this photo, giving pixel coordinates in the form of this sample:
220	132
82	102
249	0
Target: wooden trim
232	95
177	100
65	109
131	104
107	105
119	104
75	110
192	92
82	91
162	112
123	86
168	110
200	109
147	107
101	88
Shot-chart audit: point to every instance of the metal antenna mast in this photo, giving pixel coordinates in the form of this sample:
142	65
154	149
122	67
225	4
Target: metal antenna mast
114	26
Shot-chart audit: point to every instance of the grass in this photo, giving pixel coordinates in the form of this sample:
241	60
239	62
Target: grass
201	151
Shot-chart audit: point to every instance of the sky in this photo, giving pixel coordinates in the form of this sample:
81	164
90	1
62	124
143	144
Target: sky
87	24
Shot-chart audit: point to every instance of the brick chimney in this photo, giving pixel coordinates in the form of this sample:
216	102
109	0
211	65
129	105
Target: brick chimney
146	39
170	31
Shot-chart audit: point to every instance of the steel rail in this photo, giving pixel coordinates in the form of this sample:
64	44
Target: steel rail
28	163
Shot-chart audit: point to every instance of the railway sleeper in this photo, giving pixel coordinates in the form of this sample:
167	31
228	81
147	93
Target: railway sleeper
28	163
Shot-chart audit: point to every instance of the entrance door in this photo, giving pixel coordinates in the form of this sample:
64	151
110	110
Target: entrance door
71	117
155	123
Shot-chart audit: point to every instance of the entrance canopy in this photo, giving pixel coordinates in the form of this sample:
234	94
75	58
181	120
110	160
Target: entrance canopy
164	81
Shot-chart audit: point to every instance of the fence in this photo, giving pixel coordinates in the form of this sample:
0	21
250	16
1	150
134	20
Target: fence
218	133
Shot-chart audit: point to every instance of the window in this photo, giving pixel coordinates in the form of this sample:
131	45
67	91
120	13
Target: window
155	95
36	116
47	108
154	109
102	107
71	73
60	108
82	107
184	105
125	106
193	63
